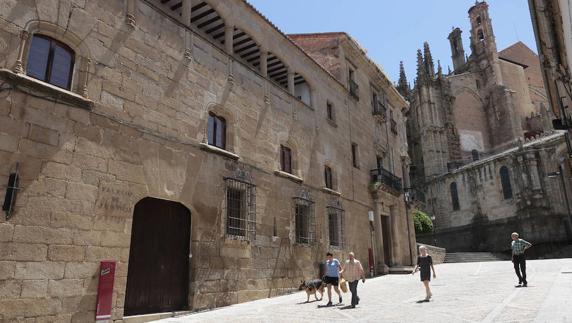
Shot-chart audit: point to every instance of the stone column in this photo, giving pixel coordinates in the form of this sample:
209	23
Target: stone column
264	61
19	68
378	238
291	81
186	19
228	39
395	235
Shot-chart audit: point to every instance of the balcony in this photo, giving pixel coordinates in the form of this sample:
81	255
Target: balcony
379	110
387	179
354	89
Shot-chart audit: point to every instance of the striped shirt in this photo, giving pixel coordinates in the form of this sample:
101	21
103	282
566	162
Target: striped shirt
519	245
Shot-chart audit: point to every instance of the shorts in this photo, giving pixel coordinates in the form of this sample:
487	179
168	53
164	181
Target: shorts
332	280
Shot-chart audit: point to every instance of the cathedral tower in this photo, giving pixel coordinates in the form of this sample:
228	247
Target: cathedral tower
483	45
457	50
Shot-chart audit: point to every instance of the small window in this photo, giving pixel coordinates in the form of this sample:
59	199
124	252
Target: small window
479	20
216	131
475	154
50	61
328	177
240	209
335	226
355	155
330	111
480	35
454	196
505	183
478	84
304	218
285	159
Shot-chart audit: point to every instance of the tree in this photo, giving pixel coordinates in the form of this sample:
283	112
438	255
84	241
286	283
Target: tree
422	222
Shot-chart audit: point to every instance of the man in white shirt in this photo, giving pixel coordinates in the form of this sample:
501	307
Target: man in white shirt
352	272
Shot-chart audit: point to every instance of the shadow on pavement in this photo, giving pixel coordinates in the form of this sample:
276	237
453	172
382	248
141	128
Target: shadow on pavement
301	303
347	307
422	301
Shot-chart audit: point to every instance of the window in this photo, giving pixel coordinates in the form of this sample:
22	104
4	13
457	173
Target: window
328	177
454	196
354	88
478	84
217	131
50	61
355	153
240	209
335	226
505	183
480	35
285	159
304	218
479	20
475	154
392	122
330	111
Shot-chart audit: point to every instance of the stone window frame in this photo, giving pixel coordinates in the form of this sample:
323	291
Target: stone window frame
355	155
48	72
454	193
230	119
506	184
335	208
310	237
82	65
331	113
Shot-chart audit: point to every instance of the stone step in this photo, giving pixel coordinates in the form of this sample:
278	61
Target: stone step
456	257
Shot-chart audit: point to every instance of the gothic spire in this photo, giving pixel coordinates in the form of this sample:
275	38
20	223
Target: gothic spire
439	70
420	67
402	85
429	66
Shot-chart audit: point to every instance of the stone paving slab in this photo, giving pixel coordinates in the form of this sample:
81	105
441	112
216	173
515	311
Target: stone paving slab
465	292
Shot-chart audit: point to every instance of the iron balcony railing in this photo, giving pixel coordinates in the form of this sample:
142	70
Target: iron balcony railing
354	89
383	176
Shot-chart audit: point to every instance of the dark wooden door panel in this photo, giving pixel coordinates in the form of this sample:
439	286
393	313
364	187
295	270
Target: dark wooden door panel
158	271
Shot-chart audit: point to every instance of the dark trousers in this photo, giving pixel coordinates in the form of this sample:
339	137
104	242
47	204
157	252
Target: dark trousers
519	262
353	290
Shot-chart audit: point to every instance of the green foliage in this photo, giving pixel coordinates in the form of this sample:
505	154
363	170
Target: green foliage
422	222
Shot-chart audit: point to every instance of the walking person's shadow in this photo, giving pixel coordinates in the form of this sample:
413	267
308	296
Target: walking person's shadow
422	301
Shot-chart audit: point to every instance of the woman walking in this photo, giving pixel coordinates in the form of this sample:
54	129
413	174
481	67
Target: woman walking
425	265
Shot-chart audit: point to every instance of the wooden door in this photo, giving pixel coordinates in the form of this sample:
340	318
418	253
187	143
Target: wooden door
158	271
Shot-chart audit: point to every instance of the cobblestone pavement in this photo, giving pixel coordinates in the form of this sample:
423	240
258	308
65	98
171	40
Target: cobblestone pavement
467	292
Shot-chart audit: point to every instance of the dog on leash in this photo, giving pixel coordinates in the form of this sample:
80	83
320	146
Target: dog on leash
313	287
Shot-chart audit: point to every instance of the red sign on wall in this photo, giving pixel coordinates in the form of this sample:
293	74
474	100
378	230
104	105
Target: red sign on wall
105	291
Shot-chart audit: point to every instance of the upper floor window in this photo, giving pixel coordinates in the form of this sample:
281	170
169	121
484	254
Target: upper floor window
354	88
479	20
480	35
328	178
285	159
216	131
355	155
475	154
392	122
50	61
454	196
505	183
330	113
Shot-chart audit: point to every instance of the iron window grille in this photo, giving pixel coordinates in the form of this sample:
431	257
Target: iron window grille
50	61
240	209
305	223
336	224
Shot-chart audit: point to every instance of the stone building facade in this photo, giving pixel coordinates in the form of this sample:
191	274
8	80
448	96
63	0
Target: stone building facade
214	158
462	122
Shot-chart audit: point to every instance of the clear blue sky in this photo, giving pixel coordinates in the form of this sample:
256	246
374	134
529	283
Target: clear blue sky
393	30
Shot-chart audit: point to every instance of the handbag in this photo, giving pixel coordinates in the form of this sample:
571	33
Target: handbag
343	285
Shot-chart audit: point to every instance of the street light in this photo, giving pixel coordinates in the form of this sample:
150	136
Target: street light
560	174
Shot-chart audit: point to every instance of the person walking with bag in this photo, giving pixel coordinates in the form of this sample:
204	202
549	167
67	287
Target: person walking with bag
352	272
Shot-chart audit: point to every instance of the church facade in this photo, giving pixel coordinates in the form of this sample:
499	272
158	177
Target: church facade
481	143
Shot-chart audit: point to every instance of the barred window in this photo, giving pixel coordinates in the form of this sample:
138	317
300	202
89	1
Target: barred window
50	61
240	209
336	225
304	218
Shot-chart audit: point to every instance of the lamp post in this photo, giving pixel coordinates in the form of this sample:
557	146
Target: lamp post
371	217
560	174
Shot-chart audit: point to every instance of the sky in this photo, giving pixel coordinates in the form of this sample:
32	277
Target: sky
392	30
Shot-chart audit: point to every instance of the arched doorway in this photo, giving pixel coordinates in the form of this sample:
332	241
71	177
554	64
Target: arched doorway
158	271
